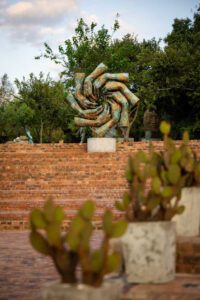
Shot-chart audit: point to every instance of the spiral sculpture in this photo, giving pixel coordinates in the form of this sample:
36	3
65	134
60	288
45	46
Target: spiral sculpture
102	100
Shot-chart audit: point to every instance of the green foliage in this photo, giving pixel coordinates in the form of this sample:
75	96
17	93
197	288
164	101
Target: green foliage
15	117
57	135
40	106
165	80
155	180
47	99
89	46
82	51
165	128
6	90
176	72
39	243
6	96
72	249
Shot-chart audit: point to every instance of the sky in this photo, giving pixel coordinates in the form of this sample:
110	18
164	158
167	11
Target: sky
26	24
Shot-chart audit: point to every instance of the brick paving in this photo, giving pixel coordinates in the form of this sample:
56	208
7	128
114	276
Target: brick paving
185	287
23	271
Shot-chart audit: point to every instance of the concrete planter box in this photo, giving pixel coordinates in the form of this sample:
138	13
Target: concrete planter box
149	252
188	223
101	145
110	290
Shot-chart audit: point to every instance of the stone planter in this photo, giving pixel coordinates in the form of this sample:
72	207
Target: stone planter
110	290
188	223
149	252
101	145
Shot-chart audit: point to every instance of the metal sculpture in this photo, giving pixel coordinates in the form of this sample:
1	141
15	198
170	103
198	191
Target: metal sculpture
102	101
29	136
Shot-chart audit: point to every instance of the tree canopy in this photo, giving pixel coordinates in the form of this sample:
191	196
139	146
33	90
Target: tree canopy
165	78
39	106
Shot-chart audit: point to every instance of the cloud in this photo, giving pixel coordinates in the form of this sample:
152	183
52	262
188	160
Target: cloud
51	31
126	27
42	11
31	20
55	68
3	2
89	18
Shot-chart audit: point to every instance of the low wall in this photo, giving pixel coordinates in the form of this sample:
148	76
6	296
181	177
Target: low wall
29	174
188	255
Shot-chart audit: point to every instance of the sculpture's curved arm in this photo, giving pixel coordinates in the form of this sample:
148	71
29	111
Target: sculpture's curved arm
88	91
118	86
115	111
92	113
72	101
101	80
88	113
80	122
120	99
101	119
84	102
102	100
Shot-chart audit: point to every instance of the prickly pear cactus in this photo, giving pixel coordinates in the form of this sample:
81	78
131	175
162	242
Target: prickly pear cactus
156	179
183	156
73	248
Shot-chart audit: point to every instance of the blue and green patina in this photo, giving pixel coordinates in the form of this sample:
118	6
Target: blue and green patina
102	100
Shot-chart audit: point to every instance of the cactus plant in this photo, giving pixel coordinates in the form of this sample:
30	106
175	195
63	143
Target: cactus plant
183	156
72	249
188	223
156	179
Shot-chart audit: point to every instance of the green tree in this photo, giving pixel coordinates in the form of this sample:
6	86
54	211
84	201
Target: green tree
88	47
165	79
46	98
176	73
6	95
6	90
83	51
15	117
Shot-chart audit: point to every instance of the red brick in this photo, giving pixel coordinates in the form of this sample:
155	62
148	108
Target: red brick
66	172
29	174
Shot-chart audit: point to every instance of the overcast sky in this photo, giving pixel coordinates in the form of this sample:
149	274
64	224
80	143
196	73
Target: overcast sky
26	24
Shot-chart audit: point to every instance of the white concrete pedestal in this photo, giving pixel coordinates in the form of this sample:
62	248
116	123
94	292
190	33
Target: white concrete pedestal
101	145
149	252
110	290
188	223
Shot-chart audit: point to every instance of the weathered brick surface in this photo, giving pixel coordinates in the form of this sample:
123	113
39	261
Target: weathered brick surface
188	255
24	272
29	174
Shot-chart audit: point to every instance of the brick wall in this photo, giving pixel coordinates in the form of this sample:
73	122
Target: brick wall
29	174
188	255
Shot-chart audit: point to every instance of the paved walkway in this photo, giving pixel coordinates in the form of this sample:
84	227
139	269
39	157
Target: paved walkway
23	271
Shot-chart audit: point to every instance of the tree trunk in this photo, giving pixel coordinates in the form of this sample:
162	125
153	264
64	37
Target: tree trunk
41	131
